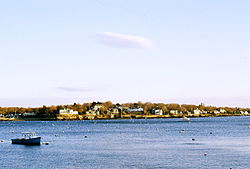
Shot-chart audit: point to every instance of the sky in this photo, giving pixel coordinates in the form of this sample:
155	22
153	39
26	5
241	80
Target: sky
184	51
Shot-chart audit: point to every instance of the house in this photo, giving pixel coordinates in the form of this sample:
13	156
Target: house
216	112
29	114
95	110
92	112
67	111
223	111
203	112
244	112
139	109
157	112
174	112
197	112
97	107
68	114
113	111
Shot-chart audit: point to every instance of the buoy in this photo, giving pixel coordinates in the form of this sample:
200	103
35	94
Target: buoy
85	136
211	133
205	154
193	139
46	143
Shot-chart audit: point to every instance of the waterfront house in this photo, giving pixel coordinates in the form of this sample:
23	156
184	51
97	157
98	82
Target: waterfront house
113	112
95	110
203	112
29	114
157	112
96	107
67	111
139	109
223	111
244	112
68	114
92	112
197	112
216	112
174	112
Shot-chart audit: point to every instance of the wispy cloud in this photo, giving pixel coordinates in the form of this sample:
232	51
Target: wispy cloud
74	89
124	40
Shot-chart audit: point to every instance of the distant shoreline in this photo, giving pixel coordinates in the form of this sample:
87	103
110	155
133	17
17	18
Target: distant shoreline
134	117
109	110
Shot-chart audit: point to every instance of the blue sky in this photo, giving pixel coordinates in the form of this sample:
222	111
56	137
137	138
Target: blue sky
184	51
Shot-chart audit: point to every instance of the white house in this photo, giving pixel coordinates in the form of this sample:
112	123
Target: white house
174	112
243	112
197	112
223	111
135	109
67	111
113	110
97	107
92	112
157	112
216	112
29	114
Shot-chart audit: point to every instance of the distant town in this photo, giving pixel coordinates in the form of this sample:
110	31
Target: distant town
108	110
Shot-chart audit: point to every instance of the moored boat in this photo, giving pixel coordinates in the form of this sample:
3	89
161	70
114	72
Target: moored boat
29	138
185	119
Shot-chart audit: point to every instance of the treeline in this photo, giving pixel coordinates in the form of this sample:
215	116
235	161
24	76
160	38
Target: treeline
148	107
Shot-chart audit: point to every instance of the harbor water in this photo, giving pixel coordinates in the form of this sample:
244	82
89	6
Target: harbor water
201	143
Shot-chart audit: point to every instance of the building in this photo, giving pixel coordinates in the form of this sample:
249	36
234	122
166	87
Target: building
95	110
197	112
29	114
244	112
96	107
174	112
92	112
222	111
216	112
139	109
113	111
157	112
67	111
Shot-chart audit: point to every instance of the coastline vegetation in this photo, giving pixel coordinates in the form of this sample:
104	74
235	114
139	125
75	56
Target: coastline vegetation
108	110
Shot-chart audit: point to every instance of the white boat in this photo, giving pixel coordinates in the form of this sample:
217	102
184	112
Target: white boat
185	119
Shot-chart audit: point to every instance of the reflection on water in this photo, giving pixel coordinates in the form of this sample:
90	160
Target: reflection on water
143	143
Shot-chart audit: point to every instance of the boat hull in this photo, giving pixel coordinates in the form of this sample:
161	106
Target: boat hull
27	141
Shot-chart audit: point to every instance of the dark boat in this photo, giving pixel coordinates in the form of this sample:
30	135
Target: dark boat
29	138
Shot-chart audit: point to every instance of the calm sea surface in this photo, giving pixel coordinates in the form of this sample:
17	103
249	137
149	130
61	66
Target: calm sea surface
220	143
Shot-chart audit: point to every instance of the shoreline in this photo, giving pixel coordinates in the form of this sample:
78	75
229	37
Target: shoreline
119	118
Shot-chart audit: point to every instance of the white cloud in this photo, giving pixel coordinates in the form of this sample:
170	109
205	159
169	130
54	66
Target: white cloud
75	89
124	40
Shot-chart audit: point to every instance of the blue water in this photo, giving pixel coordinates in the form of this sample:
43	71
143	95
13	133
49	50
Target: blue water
220	143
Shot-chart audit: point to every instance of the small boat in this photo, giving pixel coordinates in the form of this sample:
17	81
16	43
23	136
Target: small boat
29	138
185	119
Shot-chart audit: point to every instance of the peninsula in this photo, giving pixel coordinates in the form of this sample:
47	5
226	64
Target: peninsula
108	110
